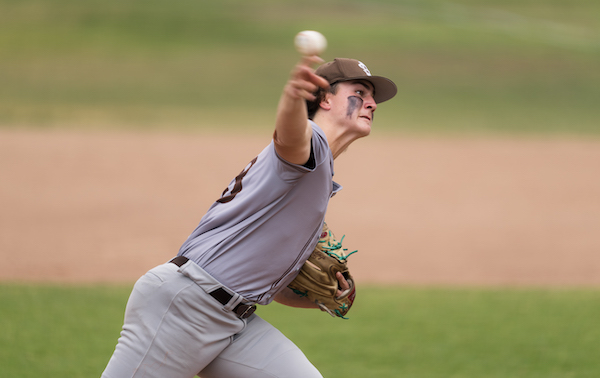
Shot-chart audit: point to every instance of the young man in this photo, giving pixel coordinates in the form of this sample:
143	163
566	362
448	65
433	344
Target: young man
194	314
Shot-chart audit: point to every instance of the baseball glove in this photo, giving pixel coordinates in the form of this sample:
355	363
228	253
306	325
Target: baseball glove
317	277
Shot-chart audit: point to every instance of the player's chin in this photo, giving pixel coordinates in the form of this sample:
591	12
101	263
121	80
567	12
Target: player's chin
365	127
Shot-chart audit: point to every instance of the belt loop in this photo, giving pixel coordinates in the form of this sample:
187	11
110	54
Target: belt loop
230	300
179	260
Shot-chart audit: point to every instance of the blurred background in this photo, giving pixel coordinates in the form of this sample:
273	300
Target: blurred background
498	66
179	95
121	121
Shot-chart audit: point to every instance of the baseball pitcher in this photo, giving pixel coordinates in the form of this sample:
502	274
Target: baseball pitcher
264	239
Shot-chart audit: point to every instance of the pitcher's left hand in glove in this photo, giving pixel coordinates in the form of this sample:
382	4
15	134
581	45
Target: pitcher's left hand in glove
318	279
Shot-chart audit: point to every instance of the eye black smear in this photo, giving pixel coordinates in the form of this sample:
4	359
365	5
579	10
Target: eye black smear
354	103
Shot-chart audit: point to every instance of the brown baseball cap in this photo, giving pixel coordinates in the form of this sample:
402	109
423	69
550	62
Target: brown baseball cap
344	69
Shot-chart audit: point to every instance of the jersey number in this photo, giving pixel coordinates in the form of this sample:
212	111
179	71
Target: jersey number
237	187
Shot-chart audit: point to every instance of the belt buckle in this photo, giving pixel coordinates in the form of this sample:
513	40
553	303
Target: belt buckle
244	311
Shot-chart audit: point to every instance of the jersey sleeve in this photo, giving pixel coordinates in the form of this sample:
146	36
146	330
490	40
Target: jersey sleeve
319	149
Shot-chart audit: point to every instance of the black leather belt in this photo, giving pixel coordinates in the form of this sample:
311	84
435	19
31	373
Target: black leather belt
243	311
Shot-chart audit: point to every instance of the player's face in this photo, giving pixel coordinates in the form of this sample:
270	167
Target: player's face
354	105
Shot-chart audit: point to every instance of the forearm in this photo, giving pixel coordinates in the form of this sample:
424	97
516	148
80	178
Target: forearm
292	129
288	297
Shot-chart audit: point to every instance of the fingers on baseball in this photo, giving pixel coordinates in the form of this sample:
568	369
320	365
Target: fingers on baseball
303	89
309	60
320	81
304	82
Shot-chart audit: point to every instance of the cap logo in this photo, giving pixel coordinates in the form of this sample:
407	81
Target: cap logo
364	68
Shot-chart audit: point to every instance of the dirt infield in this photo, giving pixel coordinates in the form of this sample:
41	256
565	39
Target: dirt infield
105	207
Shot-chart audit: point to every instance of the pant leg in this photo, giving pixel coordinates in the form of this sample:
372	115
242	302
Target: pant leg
172	328
260	351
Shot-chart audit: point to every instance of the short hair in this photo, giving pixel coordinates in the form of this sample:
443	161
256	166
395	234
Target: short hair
313	106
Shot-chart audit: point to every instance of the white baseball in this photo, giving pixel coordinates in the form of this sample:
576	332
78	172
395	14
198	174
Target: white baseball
310	42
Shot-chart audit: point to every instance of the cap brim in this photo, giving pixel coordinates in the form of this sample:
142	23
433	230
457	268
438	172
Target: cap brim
385	89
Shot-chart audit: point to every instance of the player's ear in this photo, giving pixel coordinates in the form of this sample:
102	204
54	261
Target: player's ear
325	102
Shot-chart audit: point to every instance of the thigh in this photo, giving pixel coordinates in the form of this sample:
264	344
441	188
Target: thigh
260	350
172	328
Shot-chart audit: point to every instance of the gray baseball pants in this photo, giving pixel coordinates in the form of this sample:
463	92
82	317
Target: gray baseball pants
174	329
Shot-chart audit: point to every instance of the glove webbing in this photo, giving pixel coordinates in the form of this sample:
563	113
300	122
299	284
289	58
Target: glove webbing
330	248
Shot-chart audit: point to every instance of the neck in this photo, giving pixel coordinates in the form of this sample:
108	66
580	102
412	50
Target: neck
339	138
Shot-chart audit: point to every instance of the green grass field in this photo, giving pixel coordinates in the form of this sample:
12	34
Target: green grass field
462	66
65	331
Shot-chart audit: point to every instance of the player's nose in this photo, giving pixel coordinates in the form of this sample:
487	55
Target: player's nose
370	103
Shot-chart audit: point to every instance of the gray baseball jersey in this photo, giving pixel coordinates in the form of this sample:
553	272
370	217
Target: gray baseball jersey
255	238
